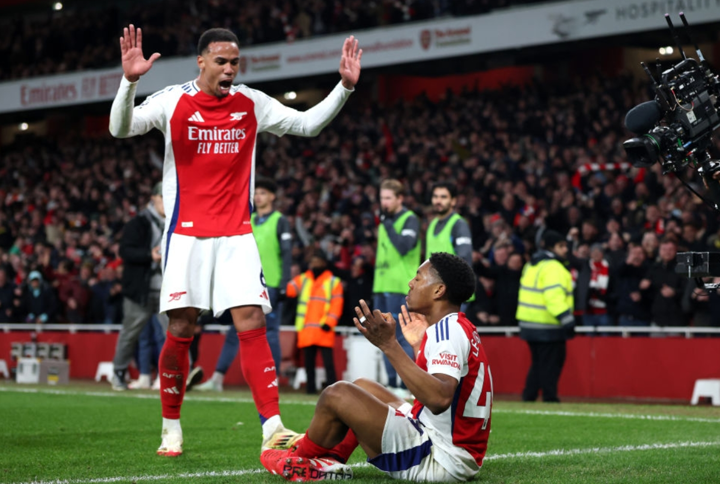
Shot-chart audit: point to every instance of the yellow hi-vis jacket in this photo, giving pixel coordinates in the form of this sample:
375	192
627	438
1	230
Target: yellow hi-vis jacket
545	301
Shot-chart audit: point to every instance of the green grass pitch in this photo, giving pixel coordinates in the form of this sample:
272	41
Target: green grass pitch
87	434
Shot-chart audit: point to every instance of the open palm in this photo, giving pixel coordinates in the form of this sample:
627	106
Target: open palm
350	63
413	326
134	63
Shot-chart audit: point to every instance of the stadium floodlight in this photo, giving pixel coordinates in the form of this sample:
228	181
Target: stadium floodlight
23	126
290	95
57	6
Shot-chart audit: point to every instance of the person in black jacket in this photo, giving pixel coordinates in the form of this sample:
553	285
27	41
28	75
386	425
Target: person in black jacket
141	280
507	286
38	300
632	307
666	286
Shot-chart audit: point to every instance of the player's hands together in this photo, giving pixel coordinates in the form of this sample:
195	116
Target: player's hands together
378	328
413	326
134	63
350	63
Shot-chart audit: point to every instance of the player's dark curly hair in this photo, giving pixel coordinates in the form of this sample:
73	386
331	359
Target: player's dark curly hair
449	186
215	35
266	183
456	274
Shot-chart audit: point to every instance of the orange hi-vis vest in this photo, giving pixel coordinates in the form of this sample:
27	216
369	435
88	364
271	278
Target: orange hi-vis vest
320	301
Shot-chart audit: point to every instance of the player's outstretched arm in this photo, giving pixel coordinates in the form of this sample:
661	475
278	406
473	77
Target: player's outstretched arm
125	119
280	119
134	63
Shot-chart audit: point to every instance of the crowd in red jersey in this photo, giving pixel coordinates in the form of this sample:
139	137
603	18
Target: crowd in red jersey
545	155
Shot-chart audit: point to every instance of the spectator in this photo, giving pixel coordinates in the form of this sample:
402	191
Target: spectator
667	287
597	304
38	300
358	285
75	295
633	306
7	296
319	303
506	287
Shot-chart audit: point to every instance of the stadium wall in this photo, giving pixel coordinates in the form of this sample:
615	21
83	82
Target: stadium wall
596	367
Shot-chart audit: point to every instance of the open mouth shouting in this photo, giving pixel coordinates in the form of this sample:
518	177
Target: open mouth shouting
224	86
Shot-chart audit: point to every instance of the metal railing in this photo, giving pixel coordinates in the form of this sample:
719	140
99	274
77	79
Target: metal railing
624	331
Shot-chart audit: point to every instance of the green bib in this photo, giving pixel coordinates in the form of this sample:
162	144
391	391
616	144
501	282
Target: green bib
393	271
269	248
442	242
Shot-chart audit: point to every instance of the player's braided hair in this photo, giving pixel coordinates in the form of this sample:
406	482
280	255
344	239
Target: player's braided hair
215	35
456	274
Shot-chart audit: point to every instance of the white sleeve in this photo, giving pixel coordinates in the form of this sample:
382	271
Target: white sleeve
127	120
447	349
278	119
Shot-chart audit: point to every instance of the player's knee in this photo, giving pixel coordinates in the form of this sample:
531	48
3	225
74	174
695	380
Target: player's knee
247	318
335	394
181	323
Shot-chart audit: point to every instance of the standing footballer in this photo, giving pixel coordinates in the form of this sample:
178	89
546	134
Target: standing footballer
210	258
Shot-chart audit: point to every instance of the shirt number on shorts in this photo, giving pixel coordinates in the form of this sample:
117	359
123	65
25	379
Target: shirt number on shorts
473	407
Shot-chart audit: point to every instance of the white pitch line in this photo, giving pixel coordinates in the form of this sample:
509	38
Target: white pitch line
631	416
148	396
193	398
605	450
519	455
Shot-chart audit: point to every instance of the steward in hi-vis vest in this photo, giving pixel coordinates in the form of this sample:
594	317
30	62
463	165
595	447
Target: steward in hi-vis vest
545	315
319	307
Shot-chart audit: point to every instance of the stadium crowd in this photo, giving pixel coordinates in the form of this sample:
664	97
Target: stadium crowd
522	159
71	40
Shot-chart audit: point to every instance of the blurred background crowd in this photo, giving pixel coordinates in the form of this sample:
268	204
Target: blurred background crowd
523	159
71	40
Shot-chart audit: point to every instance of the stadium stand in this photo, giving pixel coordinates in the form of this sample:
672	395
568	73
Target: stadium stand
46	42
523	157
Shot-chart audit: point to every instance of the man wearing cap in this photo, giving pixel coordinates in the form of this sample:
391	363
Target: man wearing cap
545	315
141	280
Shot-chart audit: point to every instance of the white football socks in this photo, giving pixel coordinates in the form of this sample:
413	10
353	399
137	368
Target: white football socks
171	425
271	425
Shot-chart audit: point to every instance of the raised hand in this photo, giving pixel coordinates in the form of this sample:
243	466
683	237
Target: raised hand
377	327
350	63
413	327
133	62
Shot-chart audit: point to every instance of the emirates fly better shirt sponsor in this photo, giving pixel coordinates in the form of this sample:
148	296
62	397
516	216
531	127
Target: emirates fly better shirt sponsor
452	347
210	142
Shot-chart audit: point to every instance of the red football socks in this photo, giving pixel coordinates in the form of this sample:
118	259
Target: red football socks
258	370
344	449
308	448
173	368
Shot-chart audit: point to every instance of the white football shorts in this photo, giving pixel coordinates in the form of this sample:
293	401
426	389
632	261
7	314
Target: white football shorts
215	273
407	451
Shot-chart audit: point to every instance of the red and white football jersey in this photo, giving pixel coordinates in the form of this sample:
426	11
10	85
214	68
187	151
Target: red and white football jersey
209	167
452	347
